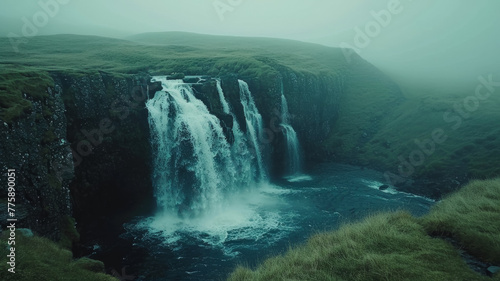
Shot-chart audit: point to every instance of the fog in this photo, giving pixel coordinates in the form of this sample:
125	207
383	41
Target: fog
439	40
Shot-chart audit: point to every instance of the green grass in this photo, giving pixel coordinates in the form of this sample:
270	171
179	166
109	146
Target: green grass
40	259
397	246
158	53
393	124
164	53
472	216
14	83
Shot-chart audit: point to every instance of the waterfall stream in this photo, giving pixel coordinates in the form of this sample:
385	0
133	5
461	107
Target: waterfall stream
195	168
293	157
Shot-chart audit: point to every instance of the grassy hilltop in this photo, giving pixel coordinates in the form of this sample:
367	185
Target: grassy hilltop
27	71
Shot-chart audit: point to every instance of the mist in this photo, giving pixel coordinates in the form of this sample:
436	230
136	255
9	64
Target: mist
422	40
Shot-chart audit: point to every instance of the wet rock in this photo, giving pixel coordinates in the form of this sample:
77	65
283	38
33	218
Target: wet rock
153	88
175	76
191	80
492	270
25	232
383	187
36	147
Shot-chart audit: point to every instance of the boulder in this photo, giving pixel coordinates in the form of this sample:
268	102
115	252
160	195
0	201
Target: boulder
153	88
25	232
383	187
175	76
492	270
191	80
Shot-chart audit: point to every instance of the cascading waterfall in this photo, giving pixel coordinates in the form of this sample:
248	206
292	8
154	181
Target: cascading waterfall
192	164
242	158
223	101
195	168
254	125
293	159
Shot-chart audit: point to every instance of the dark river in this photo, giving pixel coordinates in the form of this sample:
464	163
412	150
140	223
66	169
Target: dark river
259	223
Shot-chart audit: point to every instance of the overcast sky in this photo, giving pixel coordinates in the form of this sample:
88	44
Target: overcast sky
451	34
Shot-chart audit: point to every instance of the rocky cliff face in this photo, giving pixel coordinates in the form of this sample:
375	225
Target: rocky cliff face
312	101
85	150
37	147
81	152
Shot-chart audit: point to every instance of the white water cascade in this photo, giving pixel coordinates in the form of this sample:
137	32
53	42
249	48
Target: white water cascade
246	162
254	125
293	159
195	168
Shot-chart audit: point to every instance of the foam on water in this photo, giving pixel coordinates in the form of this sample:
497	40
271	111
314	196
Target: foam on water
391	190
298	178
253	215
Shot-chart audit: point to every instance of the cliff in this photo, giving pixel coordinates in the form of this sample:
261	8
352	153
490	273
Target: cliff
75	126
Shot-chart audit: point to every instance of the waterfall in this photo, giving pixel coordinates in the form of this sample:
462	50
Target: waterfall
195	168
245	161
292	156
254	125
225	105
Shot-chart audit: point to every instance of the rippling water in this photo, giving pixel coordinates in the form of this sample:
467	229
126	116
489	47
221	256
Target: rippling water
260	223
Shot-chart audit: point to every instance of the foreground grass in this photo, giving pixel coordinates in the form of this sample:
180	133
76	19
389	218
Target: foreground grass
398	246
472	216
42	260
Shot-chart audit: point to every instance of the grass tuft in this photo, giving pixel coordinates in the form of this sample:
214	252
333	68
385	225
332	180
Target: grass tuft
40	259
472	216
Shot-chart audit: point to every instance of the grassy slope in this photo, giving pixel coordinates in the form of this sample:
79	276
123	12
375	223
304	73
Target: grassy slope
42	260
472	148
397	246
472	216
153	53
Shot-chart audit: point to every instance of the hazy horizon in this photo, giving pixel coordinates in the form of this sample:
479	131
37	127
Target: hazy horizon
444	39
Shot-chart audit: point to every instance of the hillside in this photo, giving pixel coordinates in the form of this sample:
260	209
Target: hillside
375	126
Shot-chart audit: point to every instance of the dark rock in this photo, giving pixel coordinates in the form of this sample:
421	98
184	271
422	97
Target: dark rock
113	181
57	178
26	232
153	88
175	76
227	126
36	147
191	80
492	270
231	90
383	187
